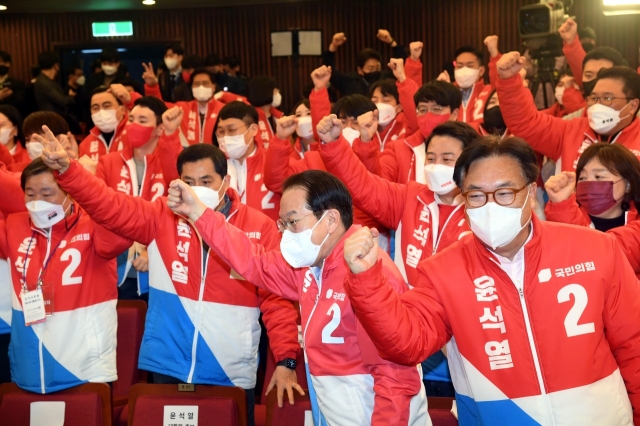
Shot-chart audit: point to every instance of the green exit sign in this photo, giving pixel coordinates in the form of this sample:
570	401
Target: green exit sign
111	29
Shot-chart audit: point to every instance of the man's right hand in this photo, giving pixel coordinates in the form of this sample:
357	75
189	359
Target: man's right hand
368	123
329	128
120	92
182	200
415	48
561	186
337	41
397	66
361	250
54	155
509	65
321	77
492	45
444	76
286	126
568	30
149	76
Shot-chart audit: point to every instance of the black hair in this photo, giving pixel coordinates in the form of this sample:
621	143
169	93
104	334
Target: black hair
353	106
618	160
260	90
192	62
95	64
387	87
199	71
304	102
15	118
587	32
231	61
72	70
212	59
565	73
154	104
239	110
34	122
175	48
494	146
469	49
103	89
630	79
5	56
47	60
128	81
365	54
324	192
607	53
109	54
35	71
203	151
36	167
443	93
455	129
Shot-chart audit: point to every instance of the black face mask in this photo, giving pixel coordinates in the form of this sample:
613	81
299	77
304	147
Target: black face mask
588	46
493	121
4	70
588	87
372	77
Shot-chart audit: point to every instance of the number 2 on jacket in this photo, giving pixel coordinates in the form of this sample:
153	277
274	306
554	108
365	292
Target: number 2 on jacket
331	327
579	305
67	276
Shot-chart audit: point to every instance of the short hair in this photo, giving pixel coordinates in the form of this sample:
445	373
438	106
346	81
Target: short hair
387	87
72	70
36	167
109	54
494	146
587	32
34	122
239	110
469	49
202	151
175	48
365	54
154	104
47	60
102	89
443	93
192	62
260	90
212	59
199	71
35	71
232	61
606	53
324	192
618	160
5	56
15	118
565	73
630	79
455	129
353	106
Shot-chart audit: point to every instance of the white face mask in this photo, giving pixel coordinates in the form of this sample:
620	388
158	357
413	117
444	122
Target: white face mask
603	118
81	80
298	249
466	77
45	214
559	94
234	146
305	128
4	135
277	100
439	178
105	120
34	149
109	69
350	134
171	63
208	196
496	225
201	93
386	113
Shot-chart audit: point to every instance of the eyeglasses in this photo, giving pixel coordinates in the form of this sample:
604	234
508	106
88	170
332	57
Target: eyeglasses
220	133
603	100
289	224
502	196
437	109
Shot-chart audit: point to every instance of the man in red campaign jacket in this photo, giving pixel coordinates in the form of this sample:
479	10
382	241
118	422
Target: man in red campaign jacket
538	333
611	114
350	384
192	288
199	115
110	114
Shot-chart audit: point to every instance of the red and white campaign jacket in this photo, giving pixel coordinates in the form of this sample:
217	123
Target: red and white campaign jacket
473	112
560	347
561	140
187	293
411	209
353	385
20	154
77	344
265	132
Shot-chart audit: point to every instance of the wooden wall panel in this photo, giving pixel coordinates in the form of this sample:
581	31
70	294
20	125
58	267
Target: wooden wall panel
244	31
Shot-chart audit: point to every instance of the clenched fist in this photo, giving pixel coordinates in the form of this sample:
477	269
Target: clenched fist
171	119
384	36
444	76
492	45
286	126
397	66
120	92
561	186
337	41
361	250
368	124
568	30
329	128
509	65
415	48
321	77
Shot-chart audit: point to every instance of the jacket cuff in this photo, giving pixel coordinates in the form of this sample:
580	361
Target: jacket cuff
365	282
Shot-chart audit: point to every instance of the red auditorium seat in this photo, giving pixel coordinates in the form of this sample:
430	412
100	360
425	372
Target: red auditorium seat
440	411
85	405
225	404
288	415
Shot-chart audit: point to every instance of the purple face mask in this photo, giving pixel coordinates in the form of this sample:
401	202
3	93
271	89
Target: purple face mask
596	196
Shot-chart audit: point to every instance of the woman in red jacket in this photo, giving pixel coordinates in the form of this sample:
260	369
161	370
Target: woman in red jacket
606	192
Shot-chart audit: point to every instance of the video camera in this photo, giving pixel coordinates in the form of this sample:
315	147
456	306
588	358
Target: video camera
538	24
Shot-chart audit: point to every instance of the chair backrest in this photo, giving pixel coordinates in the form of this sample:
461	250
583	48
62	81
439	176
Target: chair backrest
271	366
440	411
85	405
288	415
131	318
226	404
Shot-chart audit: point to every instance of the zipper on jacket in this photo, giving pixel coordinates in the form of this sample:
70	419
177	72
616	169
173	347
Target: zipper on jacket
202	122
315	305
144	175
194	345
41	358
437	242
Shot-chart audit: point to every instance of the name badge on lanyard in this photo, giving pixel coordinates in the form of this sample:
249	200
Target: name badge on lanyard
33	307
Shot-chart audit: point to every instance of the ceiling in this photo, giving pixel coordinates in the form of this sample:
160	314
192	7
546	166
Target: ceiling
39	6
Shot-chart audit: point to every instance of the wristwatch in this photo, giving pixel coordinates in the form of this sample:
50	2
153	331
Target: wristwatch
290	363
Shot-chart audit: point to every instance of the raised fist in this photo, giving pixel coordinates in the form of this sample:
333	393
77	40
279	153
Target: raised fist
416	50
286	126
492	45
509	65
329	128
561	186
397	66
384	36
337	41
368	124
171	119
568	30
361	250
321	77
